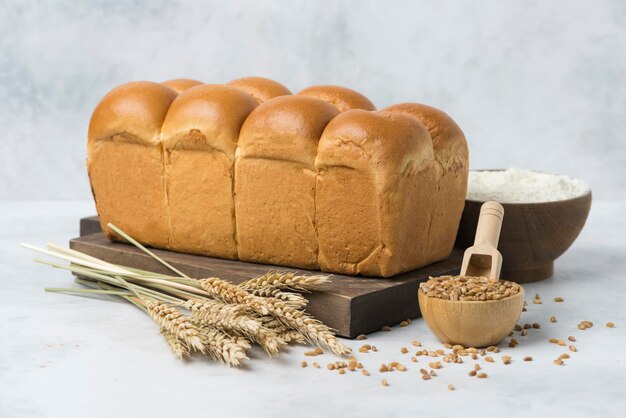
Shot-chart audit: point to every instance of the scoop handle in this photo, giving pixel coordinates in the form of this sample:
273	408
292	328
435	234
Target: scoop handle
489	224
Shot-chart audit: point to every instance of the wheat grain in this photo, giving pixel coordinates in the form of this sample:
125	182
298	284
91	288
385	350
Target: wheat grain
291	336
468	288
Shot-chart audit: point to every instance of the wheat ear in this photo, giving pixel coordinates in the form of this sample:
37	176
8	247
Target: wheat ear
285	281
178	346
223	347
309	327
230	293
215	307
294	300
172	320
237	319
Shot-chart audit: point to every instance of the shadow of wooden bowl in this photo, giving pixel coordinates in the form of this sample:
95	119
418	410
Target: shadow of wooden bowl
533	235
471	324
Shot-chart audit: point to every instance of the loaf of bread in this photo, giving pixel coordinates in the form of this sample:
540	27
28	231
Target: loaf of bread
245	170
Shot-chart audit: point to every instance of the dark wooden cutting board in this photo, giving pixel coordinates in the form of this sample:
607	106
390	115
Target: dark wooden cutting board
352	305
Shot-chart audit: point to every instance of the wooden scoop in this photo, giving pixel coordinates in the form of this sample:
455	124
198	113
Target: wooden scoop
483	258
476	323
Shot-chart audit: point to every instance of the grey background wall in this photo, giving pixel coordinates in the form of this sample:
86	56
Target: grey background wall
534	84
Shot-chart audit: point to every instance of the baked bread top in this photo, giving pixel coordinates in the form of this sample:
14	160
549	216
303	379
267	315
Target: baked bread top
342	98
214	111
135	110
448	139
286	128
260	88
387	140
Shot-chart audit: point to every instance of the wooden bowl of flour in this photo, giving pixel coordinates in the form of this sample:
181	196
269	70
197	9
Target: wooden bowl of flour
543	215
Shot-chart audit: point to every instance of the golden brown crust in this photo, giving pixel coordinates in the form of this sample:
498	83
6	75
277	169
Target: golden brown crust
181	84
341	97
451	153
275	181
375	174
286	128
135	109
215	111
448	139
262	89
200	135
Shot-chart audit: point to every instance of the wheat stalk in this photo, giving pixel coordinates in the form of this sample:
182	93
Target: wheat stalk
224	317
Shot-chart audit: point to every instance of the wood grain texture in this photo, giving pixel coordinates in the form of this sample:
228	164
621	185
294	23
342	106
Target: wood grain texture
469	323
352	305
533	235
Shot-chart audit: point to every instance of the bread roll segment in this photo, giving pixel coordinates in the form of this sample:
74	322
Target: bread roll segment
376	173
124	161
452	156
262	89
200	135
275	179
342	98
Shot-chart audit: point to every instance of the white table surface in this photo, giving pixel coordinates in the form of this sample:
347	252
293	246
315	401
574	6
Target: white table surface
68	356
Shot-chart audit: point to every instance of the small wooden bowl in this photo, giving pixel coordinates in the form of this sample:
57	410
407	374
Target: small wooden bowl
533	235
471	324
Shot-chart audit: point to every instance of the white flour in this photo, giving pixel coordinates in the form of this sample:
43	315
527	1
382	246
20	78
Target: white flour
522	186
